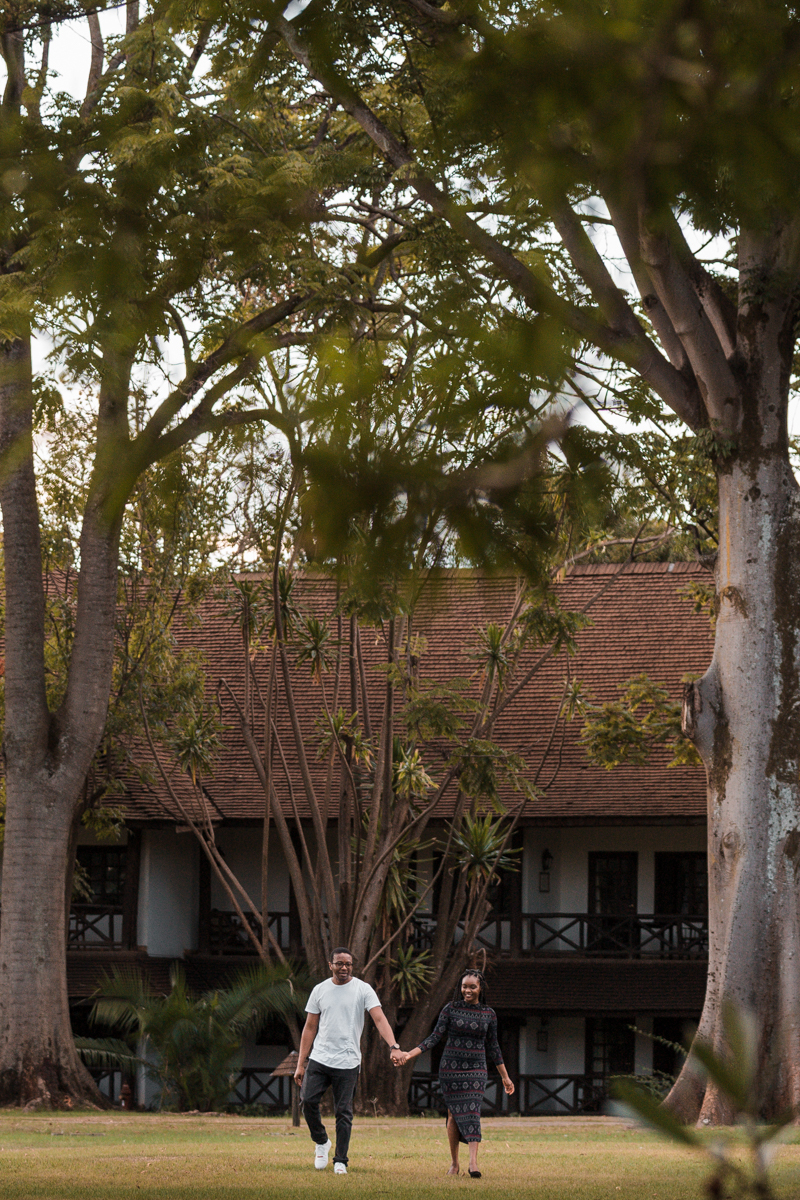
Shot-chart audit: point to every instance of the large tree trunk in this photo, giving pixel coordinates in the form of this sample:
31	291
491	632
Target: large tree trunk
38	1062
744	717
47	756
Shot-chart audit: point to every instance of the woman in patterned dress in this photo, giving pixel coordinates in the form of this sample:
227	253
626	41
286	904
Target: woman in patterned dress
470	1027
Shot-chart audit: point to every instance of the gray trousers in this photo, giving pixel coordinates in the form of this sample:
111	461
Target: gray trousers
318	1078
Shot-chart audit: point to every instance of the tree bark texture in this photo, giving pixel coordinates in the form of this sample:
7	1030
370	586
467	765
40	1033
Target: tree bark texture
38	1061
744	716
47	756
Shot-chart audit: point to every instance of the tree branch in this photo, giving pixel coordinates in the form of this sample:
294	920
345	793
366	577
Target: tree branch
448	19
693	328
26	700
626	225
95	65
719	308
616	310
238	342
638	352
188	362
13	50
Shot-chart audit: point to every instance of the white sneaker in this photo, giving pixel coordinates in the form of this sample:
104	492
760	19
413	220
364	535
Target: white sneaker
339	1169
321	1155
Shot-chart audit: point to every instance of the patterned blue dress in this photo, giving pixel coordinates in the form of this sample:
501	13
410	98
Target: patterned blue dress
471	1033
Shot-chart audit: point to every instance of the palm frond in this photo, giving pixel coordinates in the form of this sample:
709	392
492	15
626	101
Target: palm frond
107	1054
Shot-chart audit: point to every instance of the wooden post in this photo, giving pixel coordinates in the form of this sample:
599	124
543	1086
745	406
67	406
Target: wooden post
130	895
204	905
287	1069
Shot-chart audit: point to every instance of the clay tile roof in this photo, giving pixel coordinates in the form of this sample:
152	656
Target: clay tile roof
640	624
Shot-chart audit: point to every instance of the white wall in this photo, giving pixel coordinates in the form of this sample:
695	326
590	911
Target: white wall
168	893
242	850
570	847
566	1046
644	1046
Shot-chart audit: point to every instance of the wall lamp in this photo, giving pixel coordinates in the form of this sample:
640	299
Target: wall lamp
544	874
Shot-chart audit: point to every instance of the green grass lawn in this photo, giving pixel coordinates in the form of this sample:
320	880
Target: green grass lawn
110	1156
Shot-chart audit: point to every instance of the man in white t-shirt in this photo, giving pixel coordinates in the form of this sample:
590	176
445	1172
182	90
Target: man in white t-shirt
333	1029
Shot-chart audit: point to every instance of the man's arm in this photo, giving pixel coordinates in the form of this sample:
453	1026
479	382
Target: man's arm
306	1042
382	1025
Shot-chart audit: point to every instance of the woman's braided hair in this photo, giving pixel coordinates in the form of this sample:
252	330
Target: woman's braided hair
475	973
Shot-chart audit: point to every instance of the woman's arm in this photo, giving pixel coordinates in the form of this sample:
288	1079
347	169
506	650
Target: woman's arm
400	1058
506	1078
440	1030
492	1045
496	1055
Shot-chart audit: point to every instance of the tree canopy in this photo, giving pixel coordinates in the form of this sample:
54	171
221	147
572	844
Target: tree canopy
409	237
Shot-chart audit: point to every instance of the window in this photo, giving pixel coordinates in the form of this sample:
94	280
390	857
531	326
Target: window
504	892
681	883
105	870
668	1059
610	1046
612	903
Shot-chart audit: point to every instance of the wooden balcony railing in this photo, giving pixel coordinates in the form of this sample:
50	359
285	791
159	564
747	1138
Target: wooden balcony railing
256	1085
641	935
96	927
227	935
559	1095
637	935
562	1094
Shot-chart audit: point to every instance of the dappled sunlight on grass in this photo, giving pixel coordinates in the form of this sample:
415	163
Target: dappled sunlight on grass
111	1156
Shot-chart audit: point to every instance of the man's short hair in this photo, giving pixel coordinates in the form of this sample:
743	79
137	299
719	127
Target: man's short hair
340	950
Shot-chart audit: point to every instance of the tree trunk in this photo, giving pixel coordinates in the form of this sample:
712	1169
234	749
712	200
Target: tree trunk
752	686
383	1088
47	757
38	1061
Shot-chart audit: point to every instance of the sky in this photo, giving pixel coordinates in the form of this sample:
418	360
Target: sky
70	51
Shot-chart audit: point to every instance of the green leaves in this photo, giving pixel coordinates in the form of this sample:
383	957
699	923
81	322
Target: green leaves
480	848
412	972
313	637
732	1068
190	1045
628	730
411	780
483	766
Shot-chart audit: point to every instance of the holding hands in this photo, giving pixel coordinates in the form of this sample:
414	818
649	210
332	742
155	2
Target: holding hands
399	1058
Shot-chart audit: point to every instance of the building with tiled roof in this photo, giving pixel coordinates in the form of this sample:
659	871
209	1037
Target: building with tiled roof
604	927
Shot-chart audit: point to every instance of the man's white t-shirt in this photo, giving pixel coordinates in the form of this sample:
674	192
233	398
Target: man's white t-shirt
341	1008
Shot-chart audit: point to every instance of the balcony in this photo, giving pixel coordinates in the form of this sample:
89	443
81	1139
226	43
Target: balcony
528	935
226	935
639	935
97	927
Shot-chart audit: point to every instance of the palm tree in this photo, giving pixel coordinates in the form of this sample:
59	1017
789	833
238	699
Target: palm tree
190	1046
